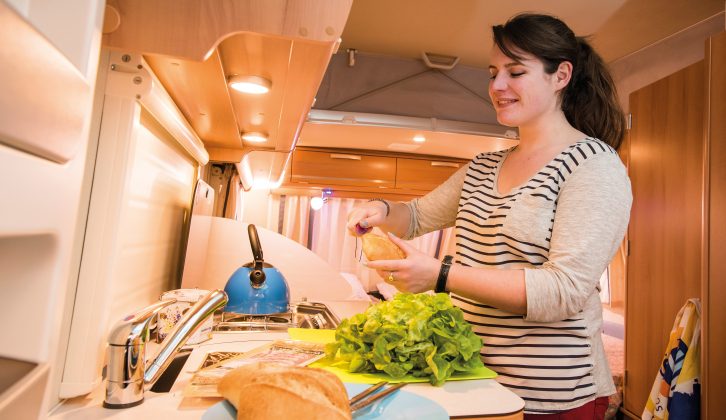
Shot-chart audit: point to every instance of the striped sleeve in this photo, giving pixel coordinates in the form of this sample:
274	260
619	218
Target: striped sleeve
592	214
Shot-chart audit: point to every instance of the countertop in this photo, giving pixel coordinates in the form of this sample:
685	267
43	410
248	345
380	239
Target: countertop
475	398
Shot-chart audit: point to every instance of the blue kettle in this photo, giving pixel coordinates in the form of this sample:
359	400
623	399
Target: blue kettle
257	287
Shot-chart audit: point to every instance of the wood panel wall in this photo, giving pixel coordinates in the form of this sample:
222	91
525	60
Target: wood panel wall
664	265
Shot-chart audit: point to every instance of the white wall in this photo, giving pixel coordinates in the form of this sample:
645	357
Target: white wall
258	209
41	196
73	26
141	197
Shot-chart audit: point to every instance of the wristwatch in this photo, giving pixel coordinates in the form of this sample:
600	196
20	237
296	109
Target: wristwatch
443	274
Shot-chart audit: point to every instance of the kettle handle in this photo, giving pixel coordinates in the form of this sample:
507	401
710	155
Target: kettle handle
257	275
254	243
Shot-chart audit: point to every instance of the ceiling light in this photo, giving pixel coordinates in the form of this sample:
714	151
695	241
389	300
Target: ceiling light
419	138
254	137
255	85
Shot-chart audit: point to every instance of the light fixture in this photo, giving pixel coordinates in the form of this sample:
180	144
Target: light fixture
316	203
418	138
254	137
254	85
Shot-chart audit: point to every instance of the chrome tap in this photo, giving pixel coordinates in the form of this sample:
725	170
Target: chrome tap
126	374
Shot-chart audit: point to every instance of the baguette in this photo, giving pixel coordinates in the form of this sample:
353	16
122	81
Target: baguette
378	247
268	391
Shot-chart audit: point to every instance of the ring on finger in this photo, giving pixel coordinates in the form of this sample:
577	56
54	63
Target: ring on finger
390	277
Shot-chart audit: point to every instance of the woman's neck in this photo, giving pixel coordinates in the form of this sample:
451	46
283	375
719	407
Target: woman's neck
553	132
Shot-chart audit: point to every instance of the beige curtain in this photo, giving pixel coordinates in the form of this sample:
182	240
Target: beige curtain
332	242
295	218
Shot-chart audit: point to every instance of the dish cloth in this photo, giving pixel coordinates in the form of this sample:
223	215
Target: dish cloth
676	391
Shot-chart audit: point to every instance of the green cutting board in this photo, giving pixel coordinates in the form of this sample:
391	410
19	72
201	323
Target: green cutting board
327	336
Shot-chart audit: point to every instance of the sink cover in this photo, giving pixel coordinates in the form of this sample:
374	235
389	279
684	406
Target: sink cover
301	315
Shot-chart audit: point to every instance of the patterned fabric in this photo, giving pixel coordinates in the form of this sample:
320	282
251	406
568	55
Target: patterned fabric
676	391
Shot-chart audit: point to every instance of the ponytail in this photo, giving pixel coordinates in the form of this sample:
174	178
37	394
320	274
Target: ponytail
589	101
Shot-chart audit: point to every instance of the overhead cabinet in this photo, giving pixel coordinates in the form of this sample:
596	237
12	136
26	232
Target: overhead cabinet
343	169
361	170
420	174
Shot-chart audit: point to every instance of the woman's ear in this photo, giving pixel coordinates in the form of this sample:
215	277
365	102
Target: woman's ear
563	74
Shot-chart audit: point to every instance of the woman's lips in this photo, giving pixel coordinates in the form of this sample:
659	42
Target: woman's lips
503	103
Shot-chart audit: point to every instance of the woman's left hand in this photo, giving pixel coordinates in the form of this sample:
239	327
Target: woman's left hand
417	273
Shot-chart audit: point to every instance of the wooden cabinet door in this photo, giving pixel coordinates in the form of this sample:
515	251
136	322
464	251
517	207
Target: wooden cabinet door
351	169
714	301
420	174
664	265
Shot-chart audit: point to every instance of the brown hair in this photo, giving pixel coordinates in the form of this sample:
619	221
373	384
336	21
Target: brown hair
590	100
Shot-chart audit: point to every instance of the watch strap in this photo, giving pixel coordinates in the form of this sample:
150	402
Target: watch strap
443	274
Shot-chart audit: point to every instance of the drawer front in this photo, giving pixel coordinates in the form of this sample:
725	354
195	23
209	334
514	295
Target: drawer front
420	174
342	169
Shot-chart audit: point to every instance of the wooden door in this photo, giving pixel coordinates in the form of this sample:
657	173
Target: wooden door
664	265
714	300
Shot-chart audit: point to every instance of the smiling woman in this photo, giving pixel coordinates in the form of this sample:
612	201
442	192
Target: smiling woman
536	224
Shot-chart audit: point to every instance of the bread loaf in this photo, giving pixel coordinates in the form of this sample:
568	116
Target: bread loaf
378	247
268	391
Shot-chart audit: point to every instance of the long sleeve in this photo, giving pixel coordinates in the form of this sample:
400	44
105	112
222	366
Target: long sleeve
592	214
437	209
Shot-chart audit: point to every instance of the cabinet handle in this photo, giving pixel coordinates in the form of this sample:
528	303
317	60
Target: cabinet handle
339	156
445	164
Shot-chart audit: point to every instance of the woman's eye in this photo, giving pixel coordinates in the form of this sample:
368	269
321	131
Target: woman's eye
517	74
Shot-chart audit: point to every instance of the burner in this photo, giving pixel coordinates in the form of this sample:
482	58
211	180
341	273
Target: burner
301	315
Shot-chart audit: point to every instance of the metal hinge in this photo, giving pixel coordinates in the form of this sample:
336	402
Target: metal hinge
629	121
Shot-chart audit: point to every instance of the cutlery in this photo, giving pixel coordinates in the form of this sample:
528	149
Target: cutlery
368	391
376	397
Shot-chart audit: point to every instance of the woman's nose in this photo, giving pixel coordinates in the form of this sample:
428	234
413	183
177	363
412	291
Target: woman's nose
497	82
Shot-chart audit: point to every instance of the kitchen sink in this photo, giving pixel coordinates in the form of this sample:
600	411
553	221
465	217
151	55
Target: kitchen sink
167	379
301	315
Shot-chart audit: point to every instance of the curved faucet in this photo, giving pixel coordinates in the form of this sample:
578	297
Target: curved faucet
127	375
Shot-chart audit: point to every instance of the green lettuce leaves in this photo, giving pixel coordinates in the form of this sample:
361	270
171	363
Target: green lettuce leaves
414	334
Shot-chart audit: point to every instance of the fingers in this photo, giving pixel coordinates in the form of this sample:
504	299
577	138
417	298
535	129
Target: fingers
386	265
405	246
364	217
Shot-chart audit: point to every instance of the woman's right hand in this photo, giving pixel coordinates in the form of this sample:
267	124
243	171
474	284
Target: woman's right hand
365	217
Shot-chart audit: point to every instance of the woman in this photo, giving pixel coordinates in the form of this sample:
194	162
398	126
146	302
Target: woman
536	225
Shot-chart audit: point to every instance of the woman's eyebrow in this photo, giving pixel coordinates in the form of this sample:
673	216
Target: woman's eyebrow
510	64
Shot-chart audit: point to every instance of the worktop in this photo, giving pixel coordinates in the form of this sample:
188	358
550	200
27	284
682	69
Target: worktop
484	398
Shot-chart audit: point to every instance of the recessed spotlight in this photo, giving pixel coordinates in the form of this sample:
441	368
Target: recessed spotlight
254	85
254	137
418	138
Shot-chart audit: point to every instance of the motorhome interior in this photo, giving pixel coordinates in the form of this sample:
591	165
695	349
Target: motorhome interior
140	139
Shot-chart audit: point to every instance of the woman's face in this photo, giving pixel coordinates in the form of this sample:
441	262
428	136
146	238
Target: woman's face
521	92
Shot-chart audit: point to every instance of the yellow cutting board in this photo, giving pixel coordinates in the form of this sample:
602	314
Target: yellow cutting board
327	336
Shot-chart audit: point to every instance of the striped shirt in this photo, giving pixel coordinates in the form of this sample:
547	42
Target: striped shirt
562	227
